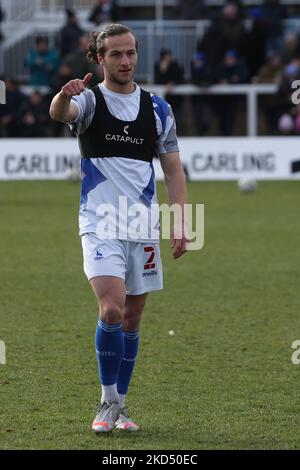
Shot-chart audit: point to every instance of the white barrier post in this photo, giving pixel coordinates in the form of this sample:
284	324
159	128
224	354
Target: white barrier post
2	92
2	353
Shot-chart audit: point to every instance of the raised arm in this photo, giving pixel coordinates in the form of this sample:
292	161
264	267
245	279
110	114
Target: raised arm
61	108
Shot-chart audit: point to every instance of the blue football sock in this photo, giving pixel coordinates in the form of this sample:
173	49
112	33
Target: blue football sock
110	349
131	346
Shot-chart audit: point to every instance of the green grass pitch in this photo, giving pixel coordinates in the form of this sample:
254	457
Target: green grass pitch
224	380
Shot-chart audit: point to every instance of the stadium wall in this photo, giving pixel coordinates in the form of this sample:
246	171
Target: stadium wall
263	158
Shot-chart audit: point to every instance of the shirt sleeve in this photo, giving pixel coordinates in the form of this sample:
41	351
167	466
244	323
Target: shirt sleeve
86	103
168	138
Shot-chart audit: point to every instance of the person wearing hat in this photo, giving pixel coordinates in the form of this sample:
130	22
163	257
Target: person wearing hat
70	33
201	104
231	71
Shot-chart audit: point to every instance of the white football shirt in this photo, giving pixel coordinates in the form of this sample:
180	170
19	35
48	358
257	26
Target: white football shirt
112	186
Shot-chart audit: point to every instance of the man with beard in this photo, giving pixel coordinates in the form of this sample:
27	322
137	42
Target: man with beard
120	128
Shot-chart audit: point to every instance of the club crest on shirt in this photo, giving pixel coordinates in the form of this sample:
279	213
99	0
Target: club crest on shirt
99	255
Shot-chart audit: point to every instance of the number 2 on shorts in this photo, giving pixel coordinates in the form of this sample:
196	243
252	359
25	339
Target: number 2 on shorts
149	263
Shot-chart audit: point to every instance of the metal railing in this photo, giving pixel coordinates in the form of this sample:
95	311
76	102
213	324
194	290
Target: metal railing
20	10
179	36
88	4
250	91
153	36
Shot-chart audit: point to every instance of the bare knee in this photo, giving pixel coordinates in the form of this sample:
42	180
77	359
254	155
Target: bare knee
110	312
111	296
132	318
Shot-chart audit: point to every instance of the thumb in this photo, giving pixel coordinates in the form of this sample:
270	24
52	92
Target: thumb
87	78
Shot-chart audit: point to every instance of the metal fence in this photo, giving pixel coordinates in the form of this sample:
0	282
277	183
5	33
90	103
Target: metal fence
153	36
251	92
19	10
179	36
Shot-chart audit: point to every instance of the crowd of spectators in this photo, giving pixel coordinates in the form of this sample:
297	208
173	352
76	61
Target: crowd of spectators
232	51
27	115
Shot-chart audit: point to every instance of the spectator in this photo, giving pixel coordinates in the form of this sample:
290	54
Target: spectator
200	71
1	19
168	72
1	41
227	32
213	46
232	71
232	28
240	8
10	112
34	117
286	125
190	10
281	102
70	33
106	11
201	104
274	13
63	76
290	48
272	70
79	64
297	119
42	62
291	73
256	39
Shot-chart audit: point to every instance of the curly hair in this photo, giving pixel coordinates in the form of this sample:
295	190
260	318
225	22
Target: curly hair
96	40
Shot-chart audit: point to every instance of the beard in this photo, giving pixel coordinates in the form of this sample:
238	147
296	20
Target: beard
117	77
